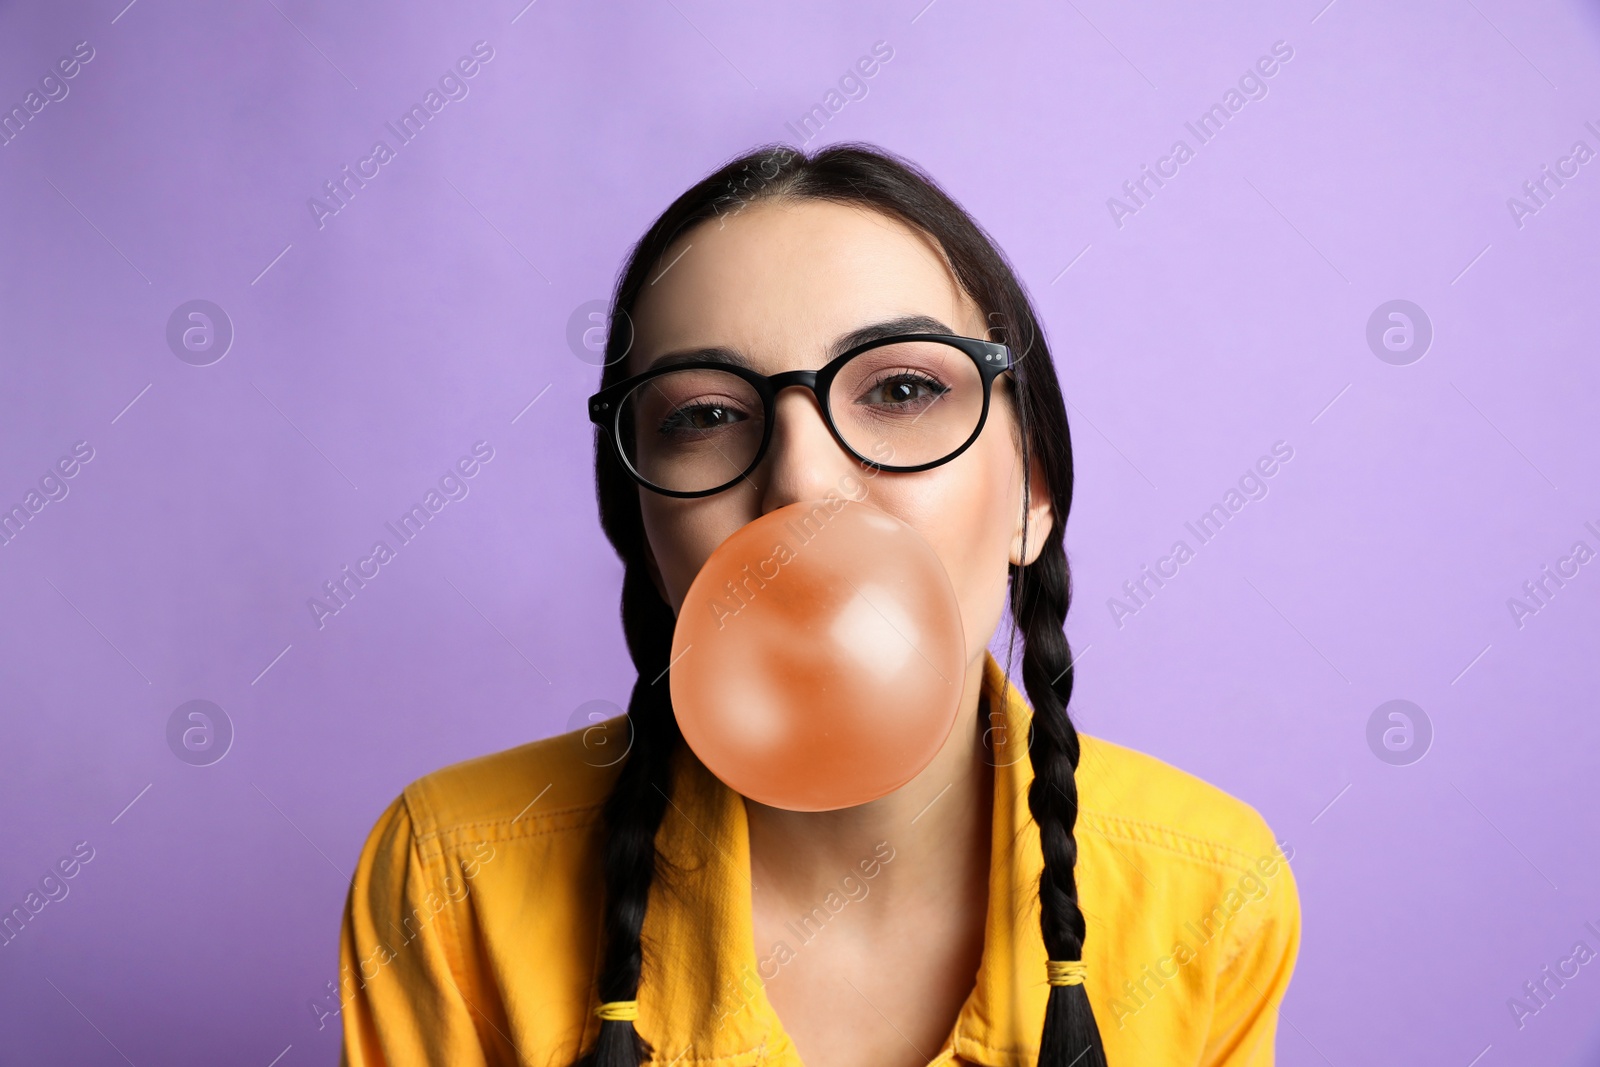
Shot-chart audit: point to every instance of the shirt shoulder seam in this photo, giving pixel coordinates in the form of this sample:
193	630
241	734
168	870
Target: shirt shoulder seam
1191	846
540	820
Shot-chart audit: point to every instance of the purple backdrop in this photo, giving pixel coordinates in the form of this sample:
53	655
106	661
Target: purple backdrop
1235	295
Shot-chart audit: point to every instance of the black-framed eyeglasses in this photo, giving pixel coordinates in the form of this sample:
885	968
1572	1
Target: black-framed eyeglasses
903	403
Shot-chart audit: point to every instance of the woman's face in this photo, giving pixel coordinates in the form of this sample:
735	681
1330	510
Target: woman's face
780	283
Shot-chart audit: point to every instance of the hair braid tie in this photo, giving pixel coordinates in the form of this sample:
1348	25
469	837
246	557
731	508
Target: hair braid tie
1065	972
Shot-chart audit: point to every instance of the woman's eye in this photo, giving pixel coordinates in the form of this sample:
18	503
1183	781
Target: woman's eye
700	417
903	390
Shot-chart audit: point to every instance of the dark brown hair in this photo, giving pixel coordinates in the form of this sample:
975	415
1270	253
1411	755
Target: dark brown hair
864	176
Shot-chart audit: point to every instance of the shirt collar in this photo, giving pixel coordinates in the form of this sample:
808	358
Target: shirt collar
702	997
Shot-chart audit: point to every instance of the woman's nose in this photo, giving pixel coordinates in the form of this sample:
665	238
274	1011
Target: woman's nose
804	461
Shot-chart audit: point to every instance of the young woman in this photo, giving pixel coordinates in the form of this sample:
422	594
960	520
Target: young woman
1034	896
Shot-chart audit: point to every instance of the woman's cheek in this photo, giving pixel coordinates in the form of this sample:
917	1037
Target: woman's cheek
961	519
682	536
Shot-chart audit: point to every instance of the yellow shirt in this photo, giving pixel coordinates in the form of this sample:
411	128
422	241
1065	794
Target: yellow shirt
471	931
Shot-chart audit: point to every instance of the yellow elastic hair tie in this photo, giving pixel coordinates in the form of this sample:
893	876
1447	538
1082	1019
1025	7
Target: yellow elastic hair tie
618	1011
1065	972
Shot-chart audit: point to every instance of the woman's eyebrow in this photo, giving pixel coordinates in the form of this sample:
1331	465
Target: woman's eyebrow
845	342
887	328
714	354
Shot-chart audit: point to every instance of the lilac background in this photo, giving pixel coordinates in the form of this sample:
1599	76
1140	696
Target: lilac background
1228	313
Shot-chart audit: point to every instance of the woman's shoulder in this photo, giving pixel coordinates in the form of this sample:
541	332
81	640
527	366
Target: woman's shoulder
478	882
1188	892
1133	797
541	787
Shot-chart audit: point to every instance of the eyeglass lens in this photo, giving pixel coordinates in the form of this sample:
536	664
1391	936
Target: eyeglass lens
900	405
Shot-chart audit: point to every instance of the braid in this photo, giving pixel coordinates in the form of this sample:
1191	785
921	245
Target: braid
633	814
1040	594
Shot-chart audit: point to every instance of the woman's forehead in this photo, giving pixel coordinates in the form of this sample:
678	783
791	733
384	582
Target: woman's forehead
782	279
